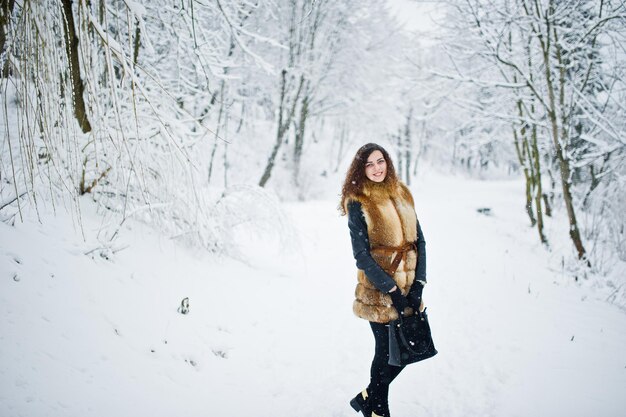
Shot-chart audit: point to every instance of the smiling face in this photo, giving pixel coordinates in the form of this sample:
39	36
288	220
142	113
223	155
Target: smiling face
376	167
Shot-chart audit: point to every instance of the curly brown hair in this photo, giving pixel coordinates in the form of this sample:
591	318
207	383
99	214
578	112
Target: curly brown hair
356	178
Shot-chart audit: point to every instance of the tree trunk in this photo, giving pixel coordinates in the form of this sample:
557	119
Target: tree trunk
342	139
283	125
559	137
569	203
400	161
538	188
226	163
71	48
6	10
522	160
418	152
407	147
299	139
137	42
217	131
534	156
548	198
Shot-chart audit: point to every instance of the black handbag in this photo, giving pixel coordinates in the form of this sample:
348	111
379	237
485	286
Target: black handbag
410	340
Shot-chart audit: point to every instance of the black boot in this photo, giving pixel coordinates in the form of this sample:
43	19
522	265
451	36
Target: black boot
383	413
379	410
361	404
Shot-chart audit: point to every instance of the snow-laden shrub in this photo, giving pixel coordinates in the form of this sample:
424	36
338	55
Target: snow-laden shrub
253	225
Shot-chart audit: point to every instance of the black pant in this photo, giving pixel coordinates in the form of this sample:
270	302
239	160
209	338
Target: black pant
381	373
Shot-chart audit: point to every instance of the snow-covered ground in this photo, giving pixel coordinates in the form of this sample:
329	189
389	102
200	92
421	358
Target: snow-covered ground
81	335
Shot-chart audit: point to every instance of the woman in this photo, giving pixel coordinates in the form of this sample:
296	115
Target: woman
384	228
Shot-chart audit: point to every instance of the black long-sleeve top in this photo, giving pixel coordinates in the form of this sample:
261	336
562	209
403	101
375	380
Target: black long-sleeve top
361	251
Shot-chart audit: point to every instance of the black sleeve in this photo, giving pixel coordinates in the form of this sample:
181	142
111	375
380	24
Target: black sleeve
361	250
420	271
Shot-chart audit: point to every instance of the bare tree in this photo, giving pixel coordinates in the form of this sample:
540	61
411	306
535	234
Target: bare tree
542	58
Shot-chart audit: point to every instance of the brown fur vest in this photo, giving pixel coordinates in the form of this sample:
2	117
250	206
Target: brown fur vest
391	221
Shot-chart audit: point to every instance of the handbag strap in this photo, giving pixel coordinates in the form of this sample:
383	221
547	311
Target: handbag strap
422	316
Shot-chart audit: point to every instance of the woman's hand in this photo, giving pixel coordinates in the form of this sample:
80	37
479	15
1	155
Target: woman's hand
400	302
415	296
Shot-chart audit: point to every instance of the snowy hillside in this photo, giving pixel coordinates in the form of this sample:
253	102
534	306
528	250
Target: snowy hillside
81	335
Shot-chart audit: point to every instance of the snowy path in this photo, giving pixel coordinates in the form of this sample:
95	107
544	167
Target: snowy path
85	338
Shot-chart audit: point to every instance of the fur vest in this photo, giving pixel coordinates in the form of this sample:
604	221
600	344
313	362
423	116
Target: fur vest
389	213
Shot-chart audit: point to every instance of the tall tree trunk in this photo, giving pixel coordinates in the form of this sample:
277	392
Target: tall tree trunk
574	232
559	137
6	10
226	163
521	157
400	160
217	131
407	147
71	48
299	139
548	198
418	152
524	159
533	153
342	140
137	42
283	124
538	187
